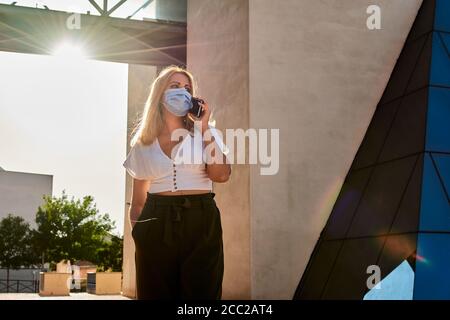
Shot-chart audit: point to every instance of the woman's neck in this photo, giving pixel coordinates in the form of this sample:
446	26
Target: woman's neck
172	124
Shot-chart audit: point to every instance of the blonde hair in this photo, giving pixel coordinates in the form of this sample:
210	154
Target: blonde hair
151	122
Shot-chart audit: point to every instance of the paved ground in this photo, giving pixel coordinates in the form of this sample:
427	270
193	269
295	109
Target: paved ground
73	296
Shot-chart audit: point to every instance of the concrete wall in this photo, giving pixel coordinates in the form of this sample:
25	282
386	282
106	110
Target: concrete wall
108	283
139	80
317	73
217	54
22	193
313	70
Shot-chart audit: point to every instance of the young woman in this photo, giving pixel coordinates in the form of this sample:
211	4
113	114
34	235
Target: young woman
176	224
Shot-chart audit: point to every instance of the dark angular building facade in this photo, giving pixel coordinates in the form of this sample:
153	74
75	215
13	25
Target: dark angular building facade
394	205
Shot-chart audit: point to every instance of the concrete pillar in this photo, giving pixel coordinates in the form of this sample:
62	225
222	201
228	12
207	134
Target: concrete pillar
140	78
217	54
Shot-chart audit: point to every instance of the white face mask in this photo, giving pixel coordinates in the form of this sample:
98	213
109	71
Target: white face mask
177	101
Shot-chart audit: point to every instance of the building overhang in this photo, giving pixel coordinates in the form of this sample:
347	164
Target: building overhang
39	31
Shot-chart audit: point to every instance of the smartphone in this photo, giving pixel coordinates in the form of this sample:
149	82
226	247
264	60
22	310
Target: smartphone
196	109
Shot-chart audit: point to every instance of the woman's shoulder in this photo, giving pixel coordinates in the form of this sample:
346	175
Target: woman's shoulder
145	151
138	160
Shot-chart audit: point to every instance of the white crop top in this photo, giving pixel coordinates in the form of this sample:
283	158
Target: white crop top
149	162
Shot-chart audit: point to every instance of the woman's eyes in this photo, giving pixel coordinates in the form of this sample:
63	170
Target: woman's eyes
175	86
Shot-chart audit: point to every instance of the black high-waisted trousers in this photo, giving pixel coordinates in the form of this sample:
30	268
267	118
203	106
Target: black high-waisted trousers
179	248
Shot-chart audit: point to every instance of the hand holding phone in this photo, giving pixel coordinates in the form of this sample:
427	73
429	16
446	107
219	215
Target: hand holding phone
196	109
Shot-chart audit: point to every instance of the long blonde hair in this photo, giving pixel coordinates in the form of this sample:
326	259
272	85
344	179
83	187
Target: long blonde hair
151	122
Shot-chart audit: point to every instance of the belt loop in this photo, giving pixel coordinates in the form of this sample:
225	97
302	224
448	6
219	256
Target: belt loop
208	199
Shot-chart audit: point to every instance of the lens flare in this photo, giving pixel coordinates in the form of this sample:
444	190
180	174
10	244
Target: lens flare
69	50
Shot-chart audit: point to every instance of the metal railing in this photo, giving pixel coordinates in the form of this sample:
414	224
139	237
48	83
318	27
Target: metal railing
19	286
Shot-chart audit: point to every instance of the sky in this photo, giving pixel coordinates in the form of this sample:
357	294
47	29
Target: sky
66	116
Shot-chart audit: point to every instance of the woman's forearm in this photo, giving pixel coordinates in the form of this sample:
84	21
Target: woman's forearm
218	169
218	172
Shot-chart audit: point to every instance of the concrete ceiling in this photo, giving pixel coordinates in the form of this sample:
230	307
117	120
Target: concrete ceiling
39	31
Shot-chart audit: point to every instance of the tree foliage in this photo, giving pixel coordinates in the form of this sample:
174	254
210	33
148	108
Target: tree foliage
15	246
74	229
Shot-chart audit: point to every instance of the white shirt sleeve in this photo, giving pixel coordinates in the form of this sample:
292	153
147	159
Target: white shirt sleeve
135	163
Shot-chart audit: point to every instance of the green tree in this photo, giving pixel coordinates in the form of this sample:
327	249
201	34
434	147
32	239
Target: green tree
15	245
71	229
111	255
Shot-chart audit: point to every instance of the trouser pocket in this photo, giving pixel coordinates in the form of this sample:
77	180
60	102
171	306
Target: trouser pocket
146	217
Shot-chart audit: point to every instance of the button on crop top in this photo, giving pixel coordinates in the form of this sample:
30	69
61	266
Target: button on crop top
187	171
